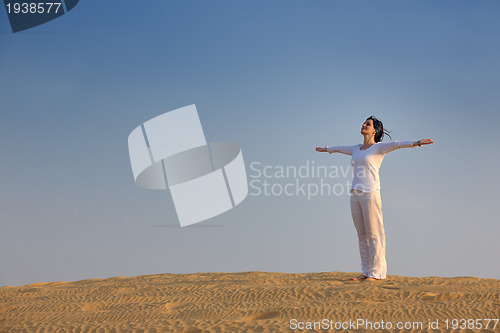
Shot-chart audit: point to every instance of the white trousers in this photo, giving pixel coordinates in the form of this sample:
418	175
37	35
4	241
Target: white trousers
366	211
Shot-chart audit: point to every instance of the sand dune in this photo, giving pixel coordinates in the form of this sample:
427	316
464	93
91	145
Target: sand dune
253	302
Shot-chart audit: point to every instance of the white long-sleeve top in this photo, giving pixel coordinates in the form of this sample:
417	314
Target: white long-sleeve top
366	163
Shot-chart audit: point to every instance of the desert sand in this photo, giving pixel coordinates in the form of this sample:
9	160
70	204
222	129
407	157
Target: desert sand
253	302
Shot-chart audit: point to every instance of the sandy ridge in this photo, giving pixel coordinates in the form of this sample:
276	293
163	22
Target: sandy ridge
243	302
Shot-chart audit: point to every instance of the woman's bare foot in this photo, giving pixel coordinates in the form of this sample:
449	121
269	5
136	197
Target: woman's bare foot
369	279
359	278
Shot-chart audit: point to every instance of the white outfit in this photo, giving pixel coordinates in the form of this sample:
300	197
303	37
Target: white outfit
366	204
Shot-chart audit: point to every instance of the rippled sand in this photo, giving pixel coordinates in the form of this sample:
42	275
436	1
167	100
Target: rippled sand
249	302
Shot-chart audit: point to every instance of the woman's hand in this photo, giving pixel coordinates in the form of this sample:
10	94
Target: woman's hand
321	149
425	142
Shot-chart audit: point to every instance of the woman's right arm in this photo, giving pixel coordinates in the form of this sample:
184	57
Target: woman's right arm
336	149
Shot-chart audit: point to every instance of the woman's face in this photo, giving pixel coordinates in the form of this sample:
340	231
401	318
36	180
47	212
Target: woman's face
367	128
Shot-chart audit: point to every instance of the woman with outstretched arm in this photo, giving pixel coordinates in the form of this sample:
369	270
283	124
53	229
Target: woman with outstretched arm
366	205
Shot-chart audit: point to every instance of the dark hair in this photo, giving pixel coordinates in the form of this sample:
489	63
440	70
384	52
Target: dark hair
379	129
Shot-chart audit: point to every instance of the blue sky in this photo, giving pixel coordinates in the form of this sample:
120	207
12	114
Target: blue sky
278	78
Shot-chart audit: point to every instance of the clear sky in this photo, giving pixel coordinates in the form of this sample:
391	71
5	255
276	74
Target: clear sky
278	78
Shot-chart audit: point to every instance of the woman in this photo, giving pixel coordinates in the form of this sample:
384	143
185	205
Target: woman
366	205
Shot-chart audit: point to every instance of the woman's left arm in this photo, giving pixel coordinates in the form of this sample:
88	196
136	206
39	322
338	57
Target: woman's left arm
391	146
